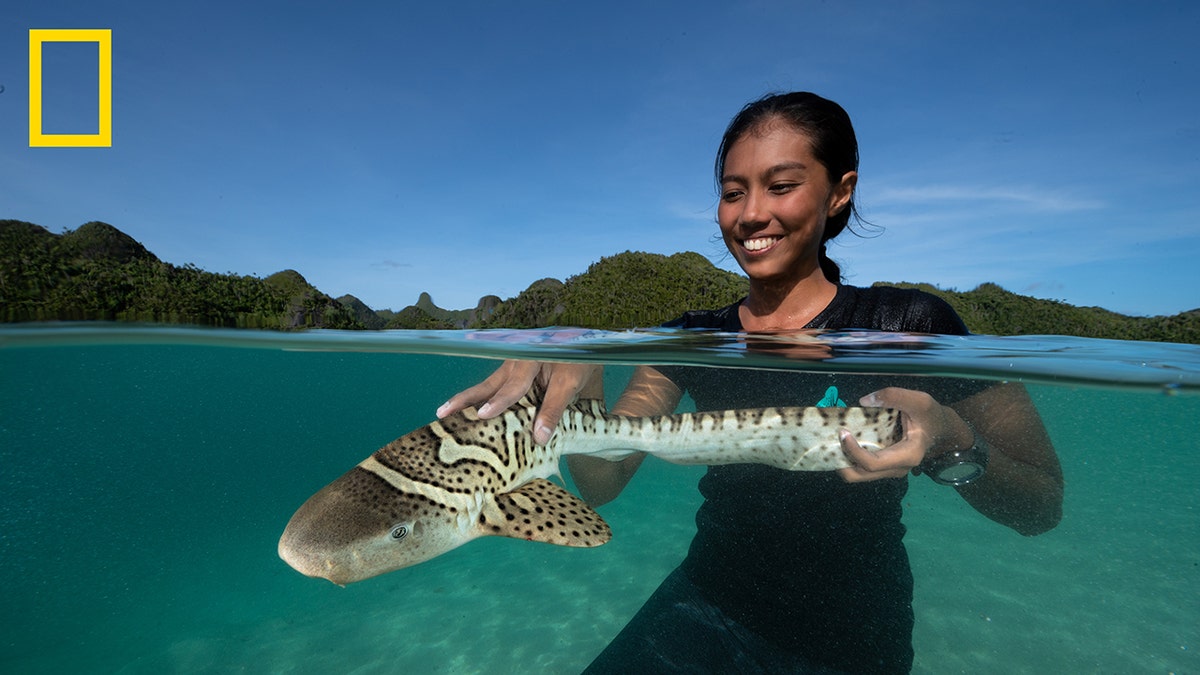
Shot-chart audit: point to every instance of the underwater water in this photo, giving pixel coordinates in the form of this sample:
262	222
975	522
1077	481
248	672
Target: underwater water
147	473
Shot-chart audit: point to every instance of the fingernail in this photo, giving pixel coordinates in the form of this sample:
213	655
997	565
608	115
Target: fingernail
870	400
541	434
442	409
485	409
843	434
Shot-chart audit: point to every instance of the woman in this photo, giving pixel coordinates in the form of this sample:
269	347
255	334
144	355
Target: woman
800	572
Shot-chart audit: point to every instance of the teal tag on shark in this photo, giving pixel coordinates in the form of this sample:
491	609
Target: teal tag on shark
831	399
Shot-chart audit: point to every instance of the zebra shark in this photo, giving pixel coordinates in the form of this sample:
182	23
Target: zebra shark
462	477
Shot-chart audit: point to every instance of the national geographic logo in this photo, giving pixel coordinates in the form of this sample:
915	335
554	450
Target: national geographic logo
103	136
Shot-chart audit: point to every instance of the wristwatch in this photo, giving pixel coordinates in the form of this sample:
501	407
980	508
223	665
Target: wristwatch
959	467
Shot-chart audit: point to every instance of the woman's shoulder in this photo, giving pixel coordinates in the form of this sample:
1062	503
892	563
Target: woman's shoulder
724	318
886	308
892	309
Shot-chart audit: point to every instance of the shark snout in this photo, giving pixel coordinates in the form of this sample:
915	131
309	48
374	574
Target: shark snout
308	562
341	532
316	547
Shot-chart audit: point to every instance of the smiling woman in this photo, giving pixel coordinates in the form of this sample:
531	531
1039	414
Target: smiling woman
824	154
800	573
779	206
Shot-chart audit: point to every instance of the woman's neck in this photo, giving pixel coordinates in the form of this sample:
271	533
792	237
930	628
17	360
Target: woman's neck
787	306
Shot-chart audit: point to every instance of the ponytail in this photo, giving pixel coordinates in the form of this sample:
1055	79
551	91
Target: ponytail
828	266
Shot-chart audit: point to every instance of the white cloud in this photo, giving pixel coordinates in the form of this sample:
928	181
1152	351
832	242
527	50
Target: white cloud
1035	199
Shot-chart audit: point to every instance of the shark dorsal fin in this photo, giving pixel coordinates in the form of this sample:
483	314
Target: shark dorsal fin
537	391
533	397
542	511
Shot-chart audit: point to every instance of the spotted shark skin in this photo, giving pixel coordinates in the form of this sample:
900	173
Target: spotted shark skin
462	477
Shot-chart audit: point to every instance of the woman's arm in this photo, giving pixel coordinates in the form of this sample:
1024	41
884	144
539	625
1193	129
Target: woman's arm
649	393
1023	485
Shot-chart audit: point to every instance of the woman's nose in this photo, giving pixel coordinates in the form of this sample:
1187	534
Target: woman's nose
754	211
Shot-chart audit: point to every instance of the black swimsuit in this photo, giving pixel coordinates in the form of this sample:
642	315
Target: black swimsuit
806	572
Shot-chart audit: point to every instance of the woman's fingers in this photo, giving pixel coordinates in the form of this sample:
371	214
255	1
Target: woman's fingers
504	387
514	380
893	461
509	382
563	383
929	428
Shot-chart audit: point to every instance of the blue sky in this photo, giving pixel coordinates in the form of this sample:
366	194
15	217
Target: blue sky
471	148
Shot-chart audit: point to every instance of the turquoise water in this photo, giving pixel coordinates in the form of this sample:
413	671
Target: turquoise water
146	475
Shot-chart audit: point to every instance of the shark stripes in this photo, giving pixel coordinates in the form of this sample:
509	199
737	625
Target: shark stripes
461	478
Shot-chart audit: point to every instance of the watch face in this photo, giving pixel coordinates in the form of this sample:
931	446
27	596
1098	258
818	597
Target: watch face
959	474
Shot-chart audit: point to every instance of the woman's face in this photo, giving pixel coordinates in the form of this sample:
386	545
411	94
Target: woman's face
775	198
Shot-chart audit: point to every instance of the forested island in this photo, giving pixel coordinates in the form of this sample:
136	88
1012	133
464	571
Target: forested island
97	272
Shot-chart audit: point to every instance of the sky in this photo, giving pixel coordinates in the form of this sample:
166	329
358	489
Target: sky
466	149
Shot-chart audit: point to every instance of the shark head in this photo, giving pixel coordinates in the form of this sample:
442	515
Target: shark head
360	526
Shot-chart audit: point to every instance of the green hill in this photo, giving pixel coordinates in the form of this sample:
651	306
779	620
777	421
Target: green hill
624	291
365	316
415	318
97	272
426	315
539	305
991	310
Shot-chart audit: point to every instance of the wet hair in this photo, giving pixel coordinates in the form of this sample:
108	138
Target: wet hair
833	144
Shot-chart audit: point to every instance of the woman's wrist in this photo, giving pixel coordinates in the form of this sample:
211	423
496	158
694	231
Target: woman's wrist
961	464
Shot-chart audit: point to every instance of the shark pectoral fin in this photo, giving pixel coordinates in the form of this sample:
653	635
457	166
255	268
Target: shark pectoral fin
542	511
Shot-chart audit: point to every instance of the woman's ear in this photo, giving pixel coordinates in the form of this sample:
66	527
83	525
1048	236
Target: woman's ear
841	193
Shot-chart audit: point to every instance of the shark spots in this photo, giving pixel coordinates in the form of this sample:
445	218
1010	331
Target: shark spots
461	478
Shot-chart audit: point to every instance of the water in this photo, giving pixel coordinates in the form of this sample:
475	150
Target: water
146	474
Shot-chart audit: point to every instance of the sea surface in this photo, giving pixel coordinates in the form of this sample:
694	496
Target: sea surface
146	474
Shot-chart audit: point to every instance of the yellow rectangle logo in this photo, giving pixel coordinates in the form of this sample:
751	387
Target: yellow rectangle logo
103	137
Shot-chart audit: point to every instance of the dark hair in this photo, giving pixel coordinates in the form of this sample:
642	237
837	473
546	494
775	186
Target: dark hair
833	144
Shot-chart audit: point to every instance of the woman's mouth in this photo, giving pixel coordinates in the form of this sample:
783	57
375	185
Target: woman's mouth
760	244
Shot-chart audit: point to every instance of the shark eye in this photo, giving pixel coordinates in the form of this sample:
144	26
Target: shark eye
399	531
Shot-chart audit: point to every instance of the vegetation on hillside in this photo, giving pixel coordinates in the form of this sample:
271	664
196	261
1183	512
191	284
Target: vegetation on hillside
539	305
97	272
367	317
624	291
645	289
991	310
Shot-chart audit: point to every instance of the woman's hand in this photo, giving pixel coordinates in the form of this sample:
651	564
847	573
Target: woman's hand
563	382
930	429
1023	486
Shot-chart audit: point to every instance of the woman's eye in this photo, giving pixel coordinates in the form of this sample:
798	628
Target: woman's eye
730	195
781	188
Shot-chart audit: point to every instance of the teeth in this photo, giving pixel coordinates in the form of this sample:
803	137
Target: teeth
759	243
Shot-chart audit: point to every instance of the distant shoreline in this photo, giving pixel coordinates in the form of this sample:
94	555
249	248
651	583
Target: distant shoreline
97	272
